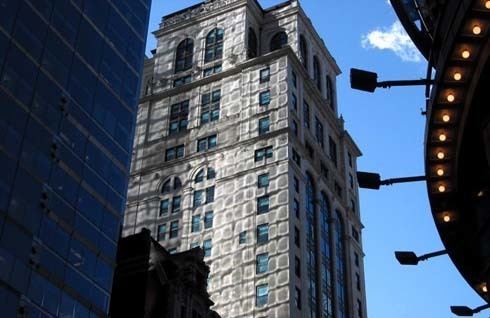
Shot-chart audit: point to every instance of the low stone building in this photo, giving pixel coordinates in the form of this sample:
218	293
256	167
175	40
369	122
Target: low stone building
152	283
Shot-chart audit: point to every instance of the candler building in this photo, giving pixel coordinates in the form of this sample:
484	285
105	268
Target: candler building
239	149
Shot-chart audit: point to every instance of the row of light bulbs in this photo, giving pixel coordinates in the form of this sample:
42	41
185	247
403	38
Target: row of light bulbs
457	76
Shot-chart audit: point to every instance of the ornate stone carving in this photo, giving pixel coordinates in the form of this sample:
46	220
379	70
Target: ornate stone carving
208	6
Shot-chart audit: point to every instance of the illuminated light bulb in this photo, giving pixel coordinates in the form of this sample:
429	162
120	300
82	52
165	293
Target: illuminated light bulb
457	76
441	188
487	4
446	218
465	54
450	98
442	137
441	155
476	29
440	172
484	288
446	118
481	193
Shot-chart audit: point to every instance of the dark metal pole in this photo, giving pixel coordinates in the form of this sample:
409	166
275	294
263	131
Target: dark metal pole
478	309
403	180
430	255
388	84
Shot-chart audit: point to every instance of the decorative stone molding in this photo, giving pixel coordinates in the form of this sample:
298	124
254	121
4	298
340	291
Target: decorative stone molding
206	7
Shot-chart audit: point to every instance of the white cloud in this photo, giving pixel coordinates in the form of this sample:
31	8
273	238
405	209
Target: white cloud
393	38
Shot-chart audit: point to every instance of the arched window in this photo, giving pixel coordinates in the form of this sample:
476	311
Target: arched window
214	45
330	92
183	58
317	73
252	49
303	51
278	41
203	190
166	188
311	244
326	260
199	176
170	198
340	284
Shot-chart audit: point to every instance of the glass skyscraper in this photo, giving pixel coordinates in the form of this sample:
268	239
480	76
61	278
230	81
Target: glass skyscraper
69	83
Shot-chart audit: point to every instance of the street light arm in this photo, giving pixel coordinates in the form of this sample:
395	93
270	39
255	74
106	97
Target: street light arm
483	307
433	254
403	180
388	84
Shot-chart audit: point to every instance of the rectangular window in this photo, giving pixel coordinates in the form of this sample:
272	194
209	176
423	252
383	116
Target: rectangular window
297	298
262	263
212	70
162	232
359	308
351	181
306	114
208	220
333	150
262	234
338	189
172	250
265	75
174	229
210	194
207	245
242	237
297	238
353	206
355	234
262	153
324	170
206	143
196	223
182	81
319	132
358	282
295	128
296	158
262	295
178	117
164	205
296	184
174	153
176	204
263	204
265	98
263	180
295	79
297	266
356	259
294	102
296	208
198	199
264	124
309	150
350	159
210	106
194	245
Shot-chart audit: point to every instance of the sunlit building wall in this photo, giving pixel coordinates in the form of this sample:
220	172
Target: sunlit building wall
239	149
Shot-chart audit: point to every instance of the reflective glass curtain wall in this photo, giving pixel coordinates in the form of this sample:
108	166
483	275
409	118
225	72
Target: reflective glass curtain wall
69	84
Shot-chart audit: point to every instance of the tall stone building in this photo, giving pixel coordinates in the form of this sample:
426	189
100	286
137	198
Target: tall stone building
239	149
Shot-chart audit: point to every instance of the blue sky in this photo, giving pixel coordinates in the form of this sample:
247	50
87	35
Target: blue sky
389	129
